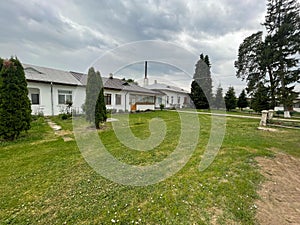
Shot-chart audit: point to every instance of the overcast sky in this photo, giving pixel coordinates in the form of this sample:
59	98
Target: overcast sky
73	34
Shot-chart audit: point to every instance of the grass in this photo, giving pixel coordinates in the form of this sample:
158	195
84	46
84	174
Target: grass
46	180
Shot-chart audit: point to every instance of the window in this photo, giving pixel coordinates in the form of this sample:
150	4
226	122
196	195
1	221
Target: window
172	99
178	100
64	96
185	101
141	99
167	99
159	100
118	99
34	95
35	99
107	99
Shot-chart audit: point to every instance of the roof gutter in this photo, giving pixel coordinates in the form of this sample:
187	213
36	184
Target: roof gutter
125	101
52	106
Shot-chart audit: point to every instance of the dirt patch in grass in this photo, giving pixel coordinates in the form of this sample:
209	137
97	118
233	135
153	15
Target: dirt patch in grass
280	193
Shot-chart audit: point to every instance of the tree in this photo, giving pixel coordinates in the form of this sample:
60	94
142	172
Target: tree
219	100
282	23
273	61
230	99
100	110
15	107
92	92
94	103
254	64
242	100
261	99
130	81
201	88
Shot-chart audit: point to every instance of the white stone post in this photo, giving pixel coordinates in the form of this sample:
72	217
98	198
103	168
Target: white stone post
287	114
270	114
264	116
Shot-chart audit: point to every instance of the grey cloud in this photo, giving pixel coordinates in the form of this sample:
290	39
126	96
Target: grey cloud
58	33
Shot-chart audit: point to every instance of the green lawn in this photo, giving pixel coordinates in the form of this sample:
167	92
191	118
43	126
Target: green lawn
46	180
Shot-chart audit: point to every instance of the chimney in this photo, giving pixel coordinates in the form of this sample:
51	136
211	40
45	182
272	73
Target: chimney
155	81
146	65
146	83
111	76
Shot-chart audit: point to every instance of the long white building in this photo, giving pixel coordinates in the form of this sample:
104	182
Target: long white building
50	90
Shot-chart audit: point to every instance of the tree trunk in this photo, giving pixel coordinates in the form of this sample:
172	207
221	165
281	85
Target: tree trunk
272	88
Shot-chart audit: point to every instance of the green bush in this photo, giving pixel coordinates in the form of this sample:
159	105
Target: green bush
64	116
161	106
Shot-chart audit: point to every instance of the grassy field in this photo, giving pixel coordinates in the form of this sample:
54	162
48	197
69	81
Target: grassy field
45	180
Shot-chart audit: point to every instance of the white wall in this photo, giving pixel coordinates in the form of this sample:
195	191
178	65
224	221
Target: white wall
45	98
175	96
52	107
49	104
124	100
144	107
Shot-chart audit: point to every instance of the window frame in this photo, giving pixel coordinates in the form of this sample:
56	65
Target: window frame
107	99
66	95
118	99
33	102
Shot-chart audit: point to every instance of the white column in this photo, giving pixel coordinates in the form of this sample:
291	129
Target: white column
270	114
264	116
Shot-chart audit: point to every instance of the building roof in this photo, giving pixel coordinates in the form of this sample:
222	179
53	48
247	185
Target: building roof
43	74
116	84
165	87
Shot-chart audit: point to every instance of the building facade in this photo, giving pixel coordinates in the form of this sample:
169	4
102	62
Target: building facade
51	90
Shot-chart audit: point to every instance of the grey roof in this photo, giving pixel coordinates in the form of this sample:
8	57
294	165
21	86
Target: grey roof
165	87
43	74
116	84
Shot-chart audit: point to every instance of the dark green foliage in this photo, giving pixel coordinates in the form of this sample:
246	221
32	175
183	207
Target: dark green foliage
230	99
130	81
219	99
100	110
92	91
273	61
198	96
261	99
242	101
283	25
65	116
95	108
161	106
1	64
248	64
201	88
15	108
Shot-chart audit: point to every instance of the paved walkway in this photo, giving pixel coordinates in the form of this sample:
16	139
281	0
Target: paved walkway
66	135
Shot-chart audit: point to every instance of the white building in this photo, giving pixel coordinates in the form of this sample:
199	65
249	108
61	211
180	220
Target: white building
50	90
170	96
123	96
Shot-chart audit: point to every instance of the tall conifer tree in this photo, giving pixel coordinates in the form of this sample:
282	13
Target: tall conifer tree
15	107
201	88
95	107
